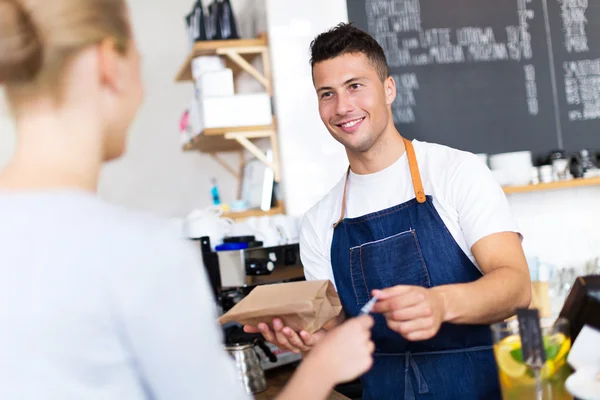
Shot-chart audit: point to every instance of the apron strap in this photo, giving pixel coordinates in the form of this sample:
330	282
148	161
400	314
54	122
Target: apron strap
422	387
343	212
414	173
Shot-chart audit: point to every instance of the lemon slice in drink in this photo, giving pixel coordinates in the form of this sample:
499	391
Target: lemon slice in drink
559	349
506	362
548	370
565	346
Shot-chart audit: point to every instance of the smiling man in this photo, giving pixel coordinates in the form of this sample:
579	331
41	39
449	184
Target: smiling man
422	227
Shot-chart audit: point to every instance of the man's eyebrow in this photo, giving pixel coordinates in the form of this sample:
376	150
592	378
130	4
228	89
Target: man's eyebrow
349	81
323	88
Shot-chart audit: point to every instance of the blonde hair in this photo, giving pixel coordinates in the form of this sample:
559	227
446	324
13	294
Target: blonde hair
38	38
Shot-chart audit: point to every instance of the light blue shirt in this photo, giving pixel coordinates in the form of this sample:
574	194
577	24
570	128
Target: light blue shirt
98	302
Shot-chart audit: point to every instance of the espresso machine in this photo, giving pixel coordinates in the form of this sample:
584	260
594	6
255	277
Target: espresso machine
234	269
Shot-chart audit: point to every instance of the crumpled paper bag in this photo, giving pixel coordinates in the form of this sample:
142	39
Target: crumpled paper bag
306	305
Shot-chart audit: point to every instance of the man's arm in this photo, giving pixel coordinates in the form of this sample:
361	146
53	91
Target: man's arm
316	266
417	313
504	287
297	342
490	230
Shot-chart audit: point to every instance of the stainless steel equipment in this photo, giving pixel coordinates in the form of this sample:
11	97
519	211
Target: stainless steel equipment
248	366
246	268
260	265
234	273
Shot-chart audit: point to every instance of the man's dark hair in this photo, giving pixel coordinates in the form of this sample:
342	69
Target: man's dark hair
346	39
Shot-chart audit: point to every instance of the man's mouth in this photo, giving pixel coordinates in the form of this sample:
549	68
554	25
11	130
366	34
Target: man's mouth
349	125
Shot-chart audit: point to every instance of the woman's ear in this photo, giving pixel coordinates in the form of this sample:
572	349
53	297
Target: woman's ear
108	59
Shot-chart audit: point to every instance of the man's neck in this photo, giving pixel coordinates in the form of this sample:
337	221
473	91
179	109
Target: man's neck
388	149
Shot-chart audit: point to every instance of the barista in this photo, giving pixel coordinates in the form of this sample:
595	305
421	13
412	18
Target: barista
423	227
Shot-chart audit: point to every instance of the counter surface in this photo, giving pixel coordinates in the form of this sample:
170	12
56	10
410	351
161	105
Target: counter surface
276	380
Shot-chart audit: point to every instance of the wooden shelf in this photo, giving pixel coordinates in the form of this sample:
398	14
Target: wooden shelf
574	183
212	144
238	54
248	130
216	140
236	216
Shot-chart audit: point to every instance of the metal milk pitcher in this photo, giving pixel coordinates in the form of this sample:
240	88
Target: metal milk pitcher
248	366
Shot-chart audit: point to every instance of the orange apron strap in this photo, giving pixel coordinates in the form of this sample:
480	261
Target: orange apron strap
414	171
343	213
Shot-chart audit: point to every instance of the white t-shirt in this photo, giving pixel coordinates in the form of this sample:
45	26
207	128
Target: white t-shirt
465	194
97	302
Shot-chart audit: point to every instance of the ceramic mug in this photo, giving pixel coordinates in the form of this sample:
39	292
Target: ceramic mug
208	222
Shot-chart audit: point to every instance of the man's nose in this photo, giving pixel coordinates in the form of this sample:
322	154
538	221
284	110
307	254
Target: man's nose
344	105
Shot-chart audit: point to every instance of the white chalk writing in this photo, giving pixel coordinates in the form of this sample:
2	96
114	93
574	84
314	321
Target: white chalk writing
402	108
474	35
390	20
582	88
446	54
531	94
385	16
488	52
574	23
397	27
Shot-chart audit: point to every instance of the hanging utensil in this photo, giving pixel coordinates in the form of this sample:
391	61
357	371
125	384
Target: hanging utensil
195	23
227	24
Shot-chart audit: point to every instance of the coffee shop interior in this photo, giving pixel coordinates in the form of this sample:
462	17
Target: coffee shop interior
229	145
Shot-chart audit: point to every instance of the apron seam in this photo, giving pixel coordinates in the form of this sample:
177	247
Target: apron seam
395	235
438	352
352	277
414	232
362	271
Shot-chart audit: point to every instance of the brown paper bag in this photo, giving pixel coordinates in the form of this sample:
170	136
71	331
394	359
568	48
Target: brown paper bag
306	305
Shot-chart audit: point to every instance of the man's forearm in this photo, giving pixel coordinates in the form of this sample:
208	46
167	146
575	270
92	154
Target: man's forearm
490	299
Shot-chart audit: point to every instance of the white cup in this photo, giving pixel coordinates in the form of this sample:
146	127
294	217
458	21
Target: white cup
208	222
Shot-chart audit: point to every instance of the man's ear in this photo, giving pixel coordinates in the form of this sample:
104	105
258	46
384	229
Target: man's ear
108	59
389	86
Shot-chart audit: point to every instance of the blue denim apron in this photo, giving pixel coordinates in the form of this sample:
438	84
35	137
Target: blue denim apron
409	244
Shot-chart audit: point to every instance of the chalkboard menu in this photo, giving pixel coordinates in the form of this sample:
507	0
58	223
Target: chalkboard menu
492	76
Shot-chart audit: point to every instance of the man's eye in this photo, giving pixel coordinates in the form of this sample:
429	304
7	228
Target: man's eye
355	86
326	94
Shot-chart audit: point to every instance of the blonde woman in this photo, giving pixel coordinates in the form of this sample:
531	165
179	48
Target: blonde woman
96	301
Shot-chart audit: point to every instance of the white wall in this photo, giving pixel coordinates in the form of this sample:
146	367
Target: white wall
561	227
155	174
312	160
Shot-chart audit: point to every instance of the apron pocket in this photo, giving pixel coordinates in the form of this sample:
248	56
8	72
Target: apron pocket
395	260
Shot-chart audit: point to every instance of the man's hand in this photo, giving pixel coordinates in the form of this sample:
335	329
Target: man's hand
285	338
414	312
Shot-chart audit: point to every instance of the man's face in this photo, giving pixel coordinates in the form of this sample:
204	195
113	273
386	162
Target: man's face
353	102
